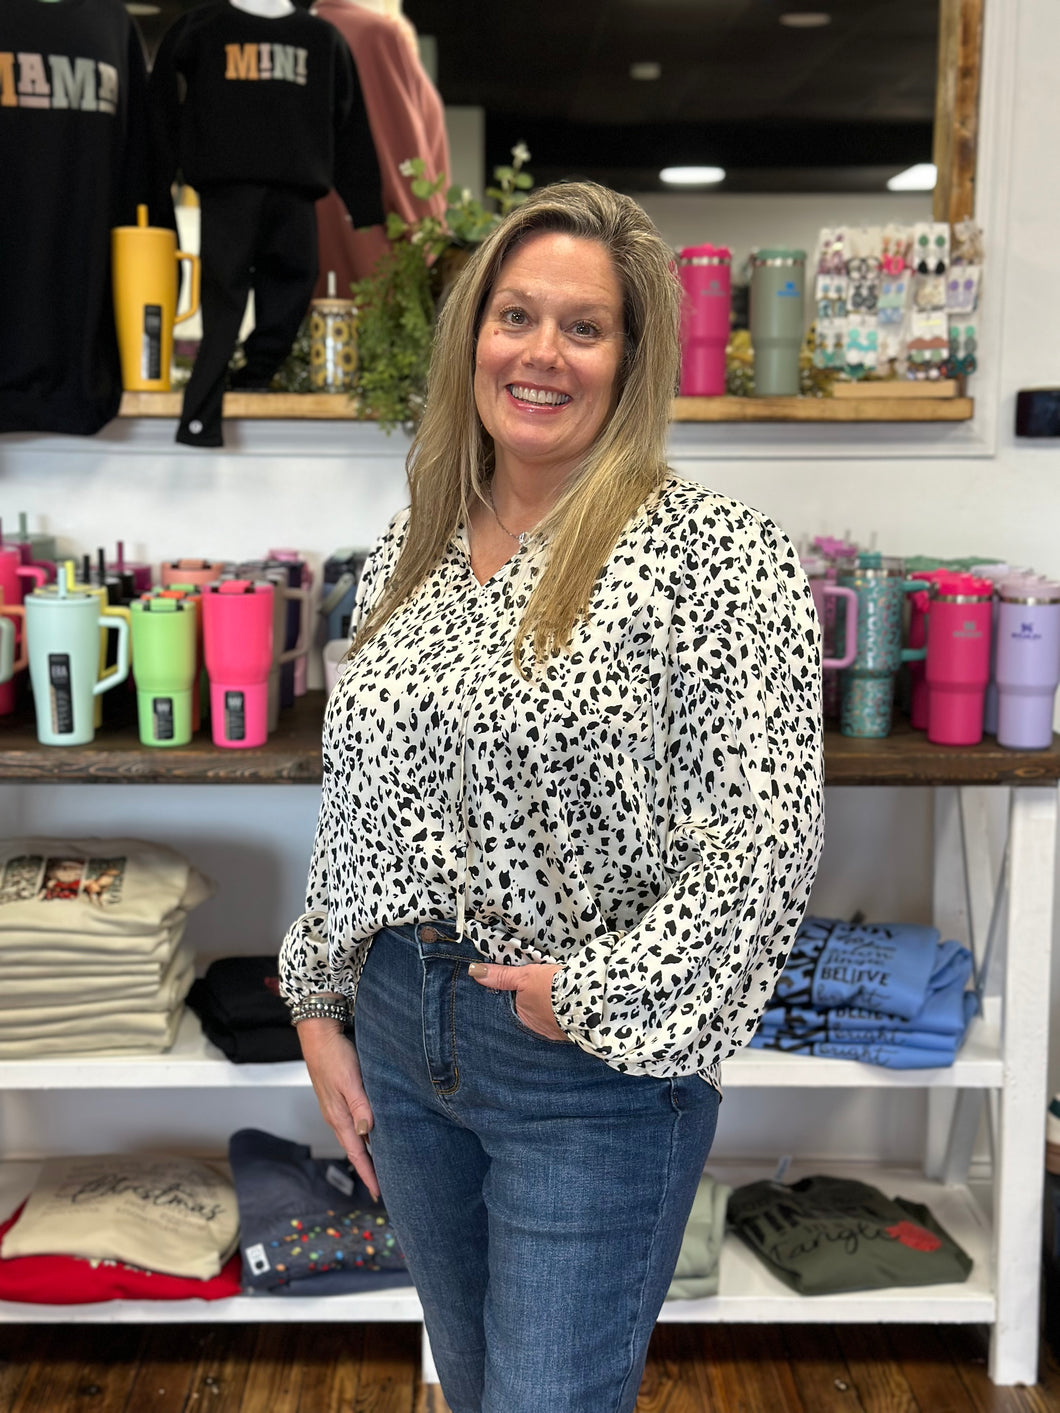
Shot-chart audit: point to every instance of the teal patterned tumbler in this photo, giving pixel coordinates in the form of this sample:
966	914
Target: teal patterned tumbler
866	687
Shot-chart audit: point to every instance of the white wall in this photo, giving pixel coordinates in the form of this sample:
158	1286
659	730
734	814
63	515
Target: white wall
943	489
759	219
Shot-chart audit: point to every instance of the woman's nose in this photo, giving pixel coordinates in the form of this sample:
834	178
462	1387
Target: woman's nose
542	348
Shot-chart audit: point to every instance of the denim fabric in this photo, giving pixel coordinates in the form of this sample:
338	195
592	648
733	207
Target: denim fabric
539	1196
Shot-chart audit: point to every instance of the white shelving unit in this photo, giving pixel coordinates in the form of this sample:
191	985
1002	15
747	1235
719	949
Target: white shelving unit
997	1220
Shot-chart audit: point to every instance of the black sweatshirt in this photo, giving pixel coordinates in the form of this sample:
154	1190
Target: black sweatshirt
73	159
266	101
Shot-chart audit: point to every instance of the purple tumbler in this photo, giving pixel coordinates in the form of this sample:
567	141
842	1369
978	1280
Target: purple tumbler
706	277
1028	663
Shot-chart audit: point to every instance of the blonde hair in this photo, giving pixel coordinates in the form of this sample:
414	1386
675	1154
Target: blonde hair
451	458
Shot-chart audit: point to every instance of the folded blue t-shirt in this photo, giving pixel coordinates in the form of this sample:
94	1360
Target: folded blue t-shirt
946	1010
885	967
907	1055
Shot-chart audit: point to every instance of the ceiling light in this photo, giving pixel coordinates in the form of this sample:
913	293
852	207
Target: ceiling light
805	19
137	7
647	70
692	176
920	177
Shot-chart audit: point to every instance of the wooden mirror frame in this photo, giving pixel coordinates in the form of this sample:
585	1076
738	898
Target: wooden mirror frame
957	108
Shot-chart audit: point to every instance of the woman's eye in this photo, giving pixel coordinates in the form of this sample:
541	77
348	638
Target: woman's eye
585	328
513	316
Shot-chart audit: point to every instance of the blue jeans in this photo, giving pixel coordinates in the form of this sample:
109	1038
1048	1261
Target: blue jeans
539	1195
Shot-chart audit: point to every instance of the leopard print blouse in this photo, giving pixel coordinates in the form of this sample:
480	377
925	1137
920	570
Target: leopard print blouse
646	811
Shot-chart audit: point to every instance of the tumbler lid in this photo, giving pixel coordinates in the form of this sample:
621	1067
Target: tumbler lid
778	255
705	255
233	587
157	603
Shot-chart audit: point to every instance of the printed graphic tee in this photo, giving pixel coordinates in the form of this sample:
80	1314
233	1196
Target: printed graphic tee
241	98
825	1235
93	888
645	810
74	157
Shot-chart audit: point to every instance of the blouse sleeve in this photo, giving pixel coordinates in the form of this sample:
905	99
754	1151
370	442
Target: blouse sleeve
304	966
740	780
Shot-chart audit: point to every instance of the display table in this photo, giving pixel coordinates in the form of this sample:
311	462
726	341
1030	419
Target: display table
997	1220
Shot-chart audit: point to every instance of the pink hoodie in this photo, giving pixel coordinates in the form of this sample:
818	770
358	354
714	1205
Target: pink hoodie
407	119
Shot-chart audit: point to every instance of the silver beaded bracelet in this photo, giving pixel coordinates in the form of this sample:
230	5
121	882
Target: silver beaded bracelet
319	1008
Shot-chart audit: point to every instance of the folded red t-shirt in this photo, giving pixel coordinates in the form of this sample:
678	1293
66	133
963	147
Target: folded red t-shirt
76	1280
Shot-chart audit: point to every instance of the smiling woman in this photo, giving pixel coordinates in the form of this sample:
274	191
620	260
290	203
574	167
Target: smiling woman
570	821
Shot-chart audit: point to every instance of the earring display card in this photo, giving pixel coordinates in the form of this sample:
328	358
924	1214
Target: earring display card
898	301
861	345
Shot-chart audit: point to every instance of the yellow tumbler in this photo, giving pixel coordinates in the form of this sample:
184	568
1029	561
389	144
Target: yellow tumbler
145	301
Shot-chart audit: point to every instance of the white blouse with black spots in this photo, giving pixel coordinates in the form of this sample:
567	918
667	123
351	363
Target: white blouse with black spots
646	811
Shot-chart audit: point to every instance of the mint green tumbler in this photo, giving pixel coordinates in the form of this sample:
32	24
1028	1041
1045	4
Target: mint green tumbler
62	634
164	633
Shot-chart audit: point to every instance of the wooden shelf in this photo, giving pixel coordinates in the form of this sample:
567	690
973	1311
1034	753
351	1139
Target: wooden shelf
339	407
907	757
876	408
292	756
319	407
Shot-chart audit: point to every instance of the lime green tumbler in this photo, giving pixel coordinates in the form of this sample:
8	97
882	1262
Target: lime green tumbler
164	667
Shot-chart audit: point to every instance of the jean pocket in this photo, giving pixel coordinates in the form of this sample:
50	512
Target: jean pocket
545	1039
690	1093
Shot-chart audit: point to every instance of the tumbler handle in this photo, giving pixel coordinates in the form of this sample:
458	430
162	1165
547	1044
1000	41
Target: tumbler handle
833	591
116	623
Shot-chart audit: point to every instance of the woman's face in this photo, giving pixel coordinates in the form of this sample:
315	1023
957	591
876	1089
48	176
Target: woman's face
548	352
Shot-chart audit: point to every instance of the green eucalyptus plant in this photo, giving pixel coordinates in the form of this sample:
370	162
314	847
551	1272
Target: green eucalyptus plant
397	304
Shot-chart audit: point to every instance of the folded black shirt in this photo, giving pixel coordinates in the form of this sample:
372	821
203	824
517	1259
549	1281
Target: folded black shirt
239	1004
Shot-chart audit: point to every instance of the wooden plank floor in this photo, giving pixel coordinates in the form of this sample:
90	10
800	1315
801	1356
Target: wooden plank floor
296	1368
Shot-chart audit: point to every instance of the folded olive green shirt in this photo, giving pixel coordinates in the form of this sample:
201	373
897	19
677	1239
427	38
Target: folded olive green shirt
825	1235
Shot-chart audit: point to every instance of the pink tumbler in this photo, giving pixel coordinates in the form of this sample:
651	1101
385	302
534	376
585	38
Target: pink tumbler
825	596
237	642
142	574
958	659
706	277
16	579
918	612
838	555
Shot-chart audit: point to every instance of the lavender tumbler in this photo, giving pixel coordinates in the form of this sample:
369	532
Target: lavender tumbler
706	278
1028	664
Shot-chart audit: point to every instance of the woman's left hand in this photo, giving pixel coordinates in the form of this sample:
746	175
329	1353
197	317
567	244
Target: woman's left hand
532	985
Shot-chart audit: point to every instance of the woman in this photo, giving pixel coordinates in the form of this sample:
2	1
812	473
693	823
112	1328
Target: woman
571	817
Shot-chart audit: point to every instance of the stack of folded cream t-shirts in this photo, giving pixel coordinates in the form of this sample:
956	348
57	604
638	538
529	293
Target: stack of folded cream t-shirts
138	1226
92	950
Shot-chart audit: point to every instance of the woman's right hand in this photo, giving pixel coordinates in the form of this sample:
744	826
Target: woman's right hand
332	1064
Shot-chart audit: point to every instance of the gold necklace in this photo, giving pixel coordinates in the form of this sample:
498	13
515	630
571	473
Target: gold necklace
520	538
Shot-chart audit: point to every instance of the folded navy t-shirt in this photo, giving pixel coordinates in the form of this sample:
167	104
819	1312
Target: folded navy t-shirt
308	1226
